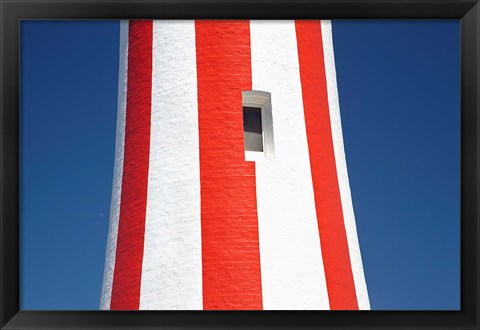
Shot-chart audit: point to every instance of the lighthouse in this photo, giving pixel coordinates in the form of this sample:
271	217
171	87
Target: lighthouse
230	188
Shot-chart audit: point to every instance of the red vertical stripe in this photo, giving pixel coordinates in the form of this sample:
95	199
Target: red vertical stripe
131	228
230	247
333	238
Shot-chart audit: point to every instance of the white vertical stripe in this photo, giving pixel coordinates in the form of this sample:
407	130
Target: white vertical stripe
292	267
345	195
172	260
118	168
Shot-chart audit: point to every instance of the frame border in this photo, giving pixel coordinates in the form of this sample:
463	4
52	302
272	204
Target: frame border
12	11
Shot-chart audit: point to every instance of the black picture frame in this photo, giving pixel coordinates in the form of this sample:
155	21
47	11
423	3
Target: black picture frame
12	11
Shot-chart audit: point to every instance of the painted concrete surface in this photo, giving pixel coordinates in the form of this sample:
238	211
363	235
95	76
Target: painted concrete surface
172	264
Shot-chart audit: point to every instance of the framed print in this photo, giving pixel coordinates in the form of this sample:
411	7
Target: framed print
218	164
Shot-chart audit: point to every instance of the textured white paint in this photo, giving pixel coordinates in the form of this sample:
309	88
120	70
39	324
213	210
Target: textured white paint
292	267
118	169
172	261
345	195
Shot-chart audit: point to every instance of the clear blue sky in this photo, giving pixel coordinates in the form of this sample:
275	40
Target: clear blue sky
399	88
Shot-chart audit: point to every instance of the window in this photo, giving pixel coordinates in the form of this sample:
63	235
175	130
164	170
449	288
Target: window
252	124
258	125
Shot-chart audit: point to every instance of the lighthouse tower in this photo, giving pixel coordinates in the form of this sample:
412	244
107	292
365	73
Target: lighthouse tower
230	187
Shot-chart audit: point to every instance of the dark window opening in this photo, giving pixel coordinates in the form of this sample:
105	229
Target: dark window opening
252	125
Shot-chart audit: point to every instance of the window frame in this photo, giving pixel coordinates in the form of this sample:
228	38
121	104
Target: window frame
263	101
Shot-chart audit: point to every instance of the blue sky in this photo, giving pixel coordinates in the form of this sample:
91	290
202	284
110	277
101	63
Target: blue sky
399	88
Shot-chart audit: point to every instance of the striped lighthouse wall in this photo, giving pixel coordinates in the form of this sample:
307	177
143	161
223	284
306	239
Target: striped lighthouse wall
292	267
127	272
204	228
